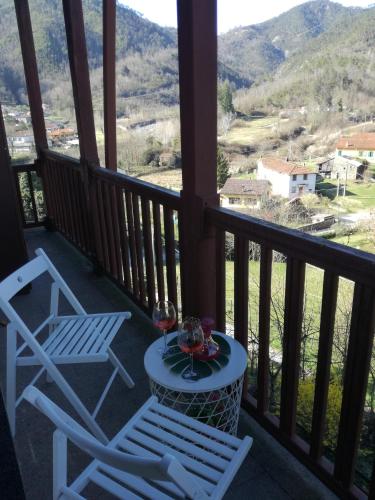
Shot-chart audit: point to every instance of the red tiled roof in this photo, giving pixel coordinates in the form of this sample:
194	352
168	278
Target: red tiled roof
286	167
365	141
246	186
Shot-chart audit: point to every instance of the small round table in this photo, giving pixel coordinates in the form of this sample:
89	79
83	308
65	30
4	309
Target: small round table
214	400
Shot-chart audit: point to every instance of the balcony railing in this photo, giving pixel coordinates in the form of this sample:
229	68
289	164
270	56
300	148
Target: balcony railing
130	230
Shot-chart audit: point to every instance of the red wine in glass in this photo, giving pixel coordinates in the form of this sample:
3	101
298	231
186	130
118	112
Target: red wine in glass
190	340
164	318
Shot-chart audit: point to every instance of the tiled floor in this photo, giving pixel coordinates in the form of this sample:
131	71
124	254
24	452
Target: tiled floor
269	472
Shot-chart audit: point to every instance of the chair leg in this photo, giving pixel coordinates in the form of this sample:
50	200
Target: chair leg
121	370
11	377
60	466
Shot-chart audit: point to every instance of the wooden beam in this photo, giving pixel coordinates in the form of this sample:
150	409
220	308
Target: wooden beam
13	253
31	73
197	43
109	82
79	70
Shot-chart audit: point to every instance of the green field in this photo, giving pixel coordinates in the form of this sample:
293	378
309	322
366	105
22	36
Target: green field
359	240
244	132
358	196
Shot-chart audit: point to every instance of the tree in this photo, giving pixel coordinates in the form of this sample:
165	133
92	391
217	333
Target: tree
225	97
222	169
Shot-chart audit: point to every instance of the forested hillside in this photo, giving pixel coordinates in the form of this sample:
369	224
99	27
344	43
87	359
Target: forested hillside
317	54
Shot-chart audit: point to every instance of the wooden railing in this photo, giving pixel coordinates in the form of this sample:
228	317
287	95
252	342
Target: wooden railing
130	229
260	251
30	195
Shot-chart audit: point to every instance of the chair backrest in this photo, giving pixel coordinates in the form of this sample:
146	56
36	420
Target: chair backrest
20	278
156	469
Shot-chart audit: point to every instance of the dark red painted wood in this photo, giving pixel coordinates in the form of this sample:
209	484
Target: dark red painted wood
31	73
170	256
109	82
158	246
197	43
241	294
220	280
133	254
355	382
149	255
294	293
327	324
13	254
79	70
264	328
124	240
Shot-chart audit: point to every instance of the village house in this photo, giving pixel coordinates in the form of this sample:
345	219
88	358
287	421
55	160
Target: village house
244	193
325	165
346	168
357	146
288	179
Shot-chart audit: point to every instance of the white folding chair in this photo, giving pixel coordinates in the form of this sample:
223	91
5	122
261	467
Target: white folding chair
159	454
81	338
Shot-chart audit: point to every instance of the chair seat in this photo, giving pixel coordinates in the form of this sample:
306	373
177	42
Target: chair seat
83	335
211	456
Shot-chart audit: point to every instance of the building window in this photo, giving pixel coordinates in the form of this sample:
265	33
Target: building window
371	154
294	189
234	201
360	153
340	153
294	177
305	177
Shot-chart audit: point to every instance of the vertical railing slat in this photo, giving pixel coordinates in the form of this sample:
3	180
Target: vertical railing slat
139	248
110	230
241	297
294	295
124	241
130	221
19	195
220	280
265	276
158	246
355	382
116	231
32	196
149	256
103	226
170	250
327	325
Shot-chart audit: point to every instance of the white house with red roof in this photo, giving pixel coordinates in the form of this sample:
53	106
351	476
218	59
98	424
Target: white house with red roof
288	179
357	146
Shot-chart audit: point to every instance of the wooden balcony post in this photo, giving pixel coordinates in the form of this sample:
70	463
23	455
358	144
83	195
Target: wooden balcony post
13	253
31	74
79	70
197	43
109	82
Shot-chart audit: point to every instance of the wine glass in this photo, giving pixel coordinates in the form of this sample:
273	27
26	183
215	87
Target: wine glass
190	340
164	317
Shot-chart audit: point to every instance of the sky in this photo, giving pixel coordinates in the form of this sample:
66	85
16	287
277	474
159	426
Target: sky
231	13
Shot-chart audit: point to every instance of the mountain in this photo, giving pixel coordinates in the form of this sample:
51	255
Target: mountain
256	51
318	51
334	69
146	52
135	35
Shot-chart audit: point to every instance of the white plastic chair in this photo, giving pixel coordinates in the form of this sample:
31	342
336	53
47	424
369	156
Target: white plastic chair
159	454
81	338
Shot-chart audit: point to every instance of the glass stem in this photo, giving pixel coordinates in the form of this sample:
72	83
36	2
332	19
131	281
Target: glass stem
165	340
